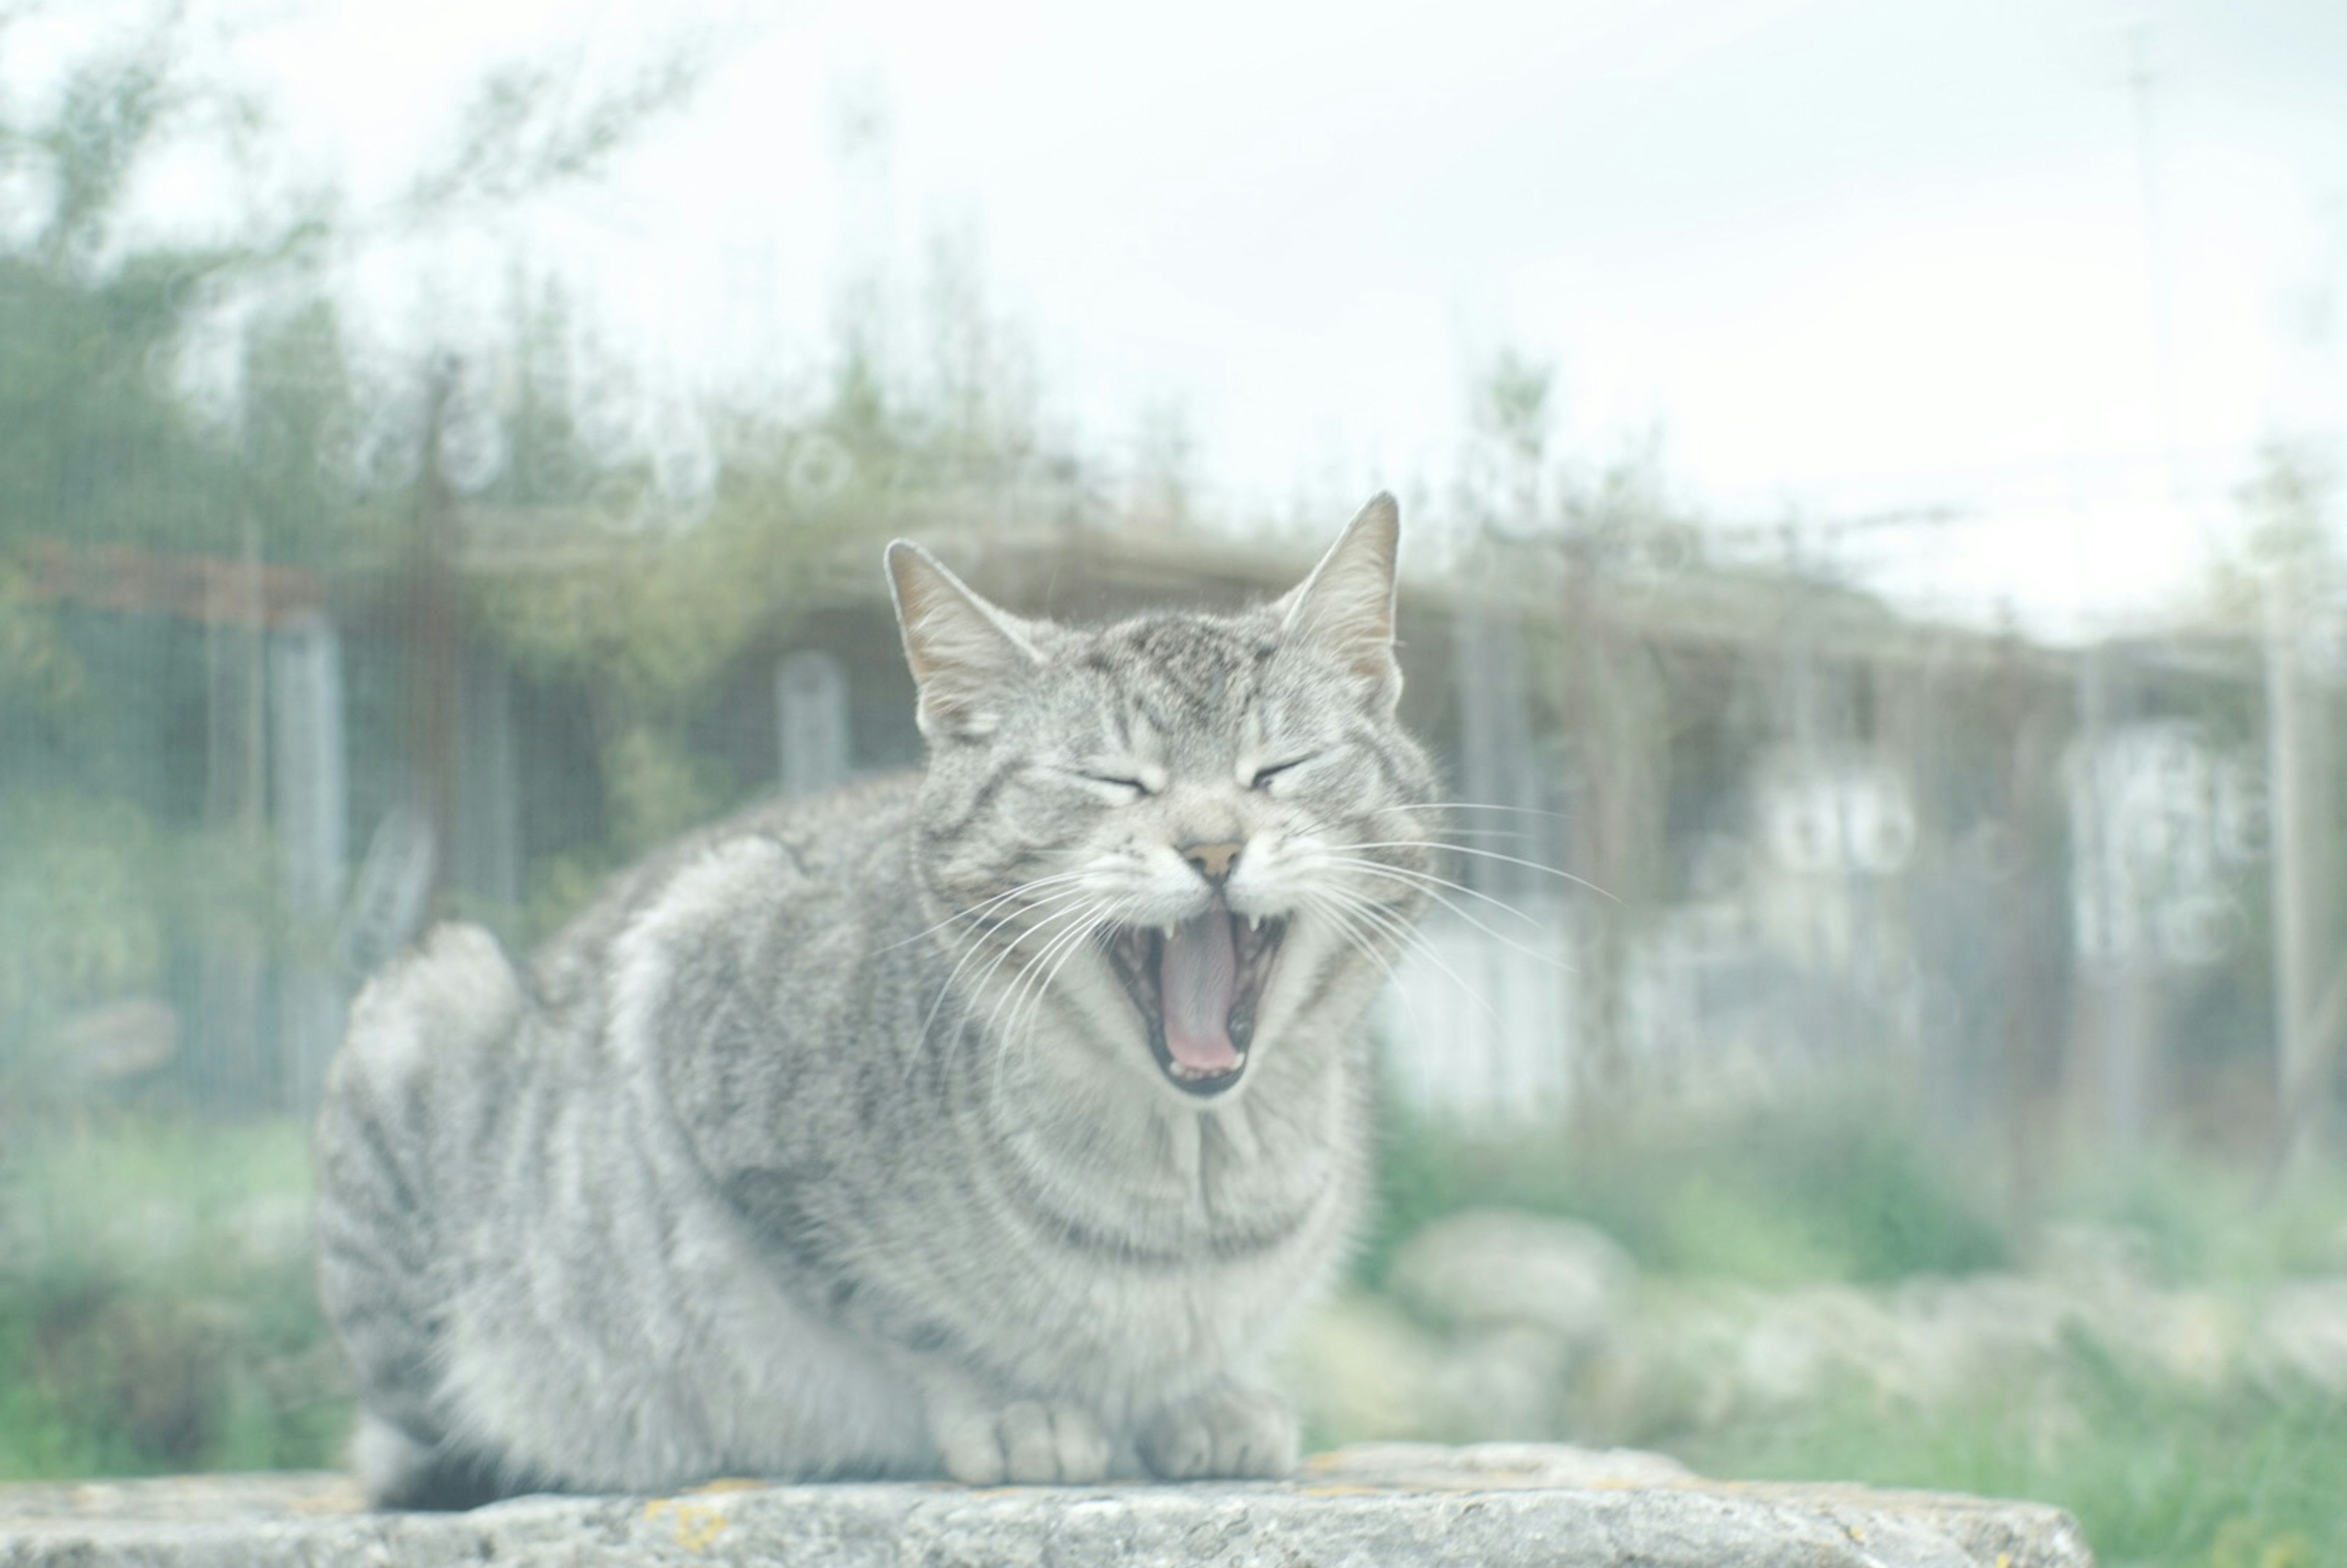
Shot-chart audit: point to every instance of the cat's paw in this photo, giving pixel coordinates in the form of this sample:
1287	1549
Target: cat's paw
1024	1444
1227	1430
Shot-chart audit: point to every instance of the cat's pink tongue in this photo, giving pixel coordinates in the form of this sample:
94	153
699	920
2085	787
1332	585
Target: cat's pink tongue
1196	984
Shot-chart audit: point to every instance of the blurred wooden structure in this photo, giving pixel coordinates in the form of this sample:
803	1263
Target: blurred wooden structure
2009	885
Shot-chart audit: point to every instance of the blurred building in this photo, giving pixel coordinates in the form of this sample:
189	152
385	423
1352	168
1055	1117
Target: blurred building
1727	836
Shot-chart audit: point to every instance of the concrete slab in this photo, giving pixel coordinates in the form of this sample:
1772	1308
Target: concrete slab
1492	1505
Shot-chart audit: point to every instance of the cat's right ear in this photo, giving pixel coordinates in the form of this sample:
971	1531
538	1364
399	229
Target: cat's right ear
1347	605
965	654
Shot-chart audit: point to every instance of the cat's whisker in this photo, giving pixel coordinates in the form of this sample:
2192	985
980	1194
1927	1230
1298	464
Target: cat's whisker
1358	903
965	945
1408	939
1073	909
1451	831
1346	927
974	947
1112	915
1488	855
1476	805
1003	1041
1361	943
1431	881
974	943
1068	950
1409	878
1066	944
984	905
1012	1001
1081	917
1313	905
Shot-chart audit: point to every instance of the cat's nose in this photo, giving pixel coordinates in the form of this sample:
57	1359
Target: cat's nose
1214	861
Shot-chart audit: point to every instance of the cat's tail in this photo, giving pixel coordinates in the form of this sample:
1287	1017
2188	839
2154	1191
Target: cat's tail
386	1144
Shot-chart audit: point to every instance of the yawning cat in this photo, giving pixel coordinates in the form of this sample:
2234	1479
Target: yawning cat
990	1122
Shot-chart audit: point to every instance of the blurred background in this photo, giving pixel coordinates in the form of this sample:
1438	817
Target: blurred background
1875	577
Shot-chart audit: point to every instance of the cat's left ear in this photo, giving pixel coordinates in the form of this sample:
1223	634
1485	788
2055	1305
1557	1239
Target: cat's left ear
965	653
1347	605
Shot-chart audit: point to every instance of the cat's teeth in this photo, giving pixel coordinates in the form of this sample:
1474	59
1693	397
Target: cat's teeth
1255	922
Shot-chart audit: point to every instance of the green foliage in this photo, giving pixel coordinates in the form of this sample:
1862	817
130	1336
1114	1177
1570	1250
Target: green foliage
2289	503
157	1312
653	611
2291	506
114	104
2240	1475
2156	1472
300	423
645	626
91	448
1796	1199
93	445
37	670
1774	1200
523	131
96	446
92	891
2199	1223
657	789
101	446
76	901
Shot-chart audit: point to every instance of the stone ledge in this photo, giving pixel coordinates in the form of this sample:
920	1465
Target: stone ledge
1497	1504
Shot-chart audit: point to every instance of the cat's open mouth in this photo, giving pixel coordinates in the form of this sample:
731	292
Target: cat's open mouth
1197	985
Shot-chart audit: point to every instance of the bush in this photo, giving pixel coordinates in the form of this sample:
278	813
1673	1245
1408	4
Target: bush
2196	1223
156	1307
1773	1200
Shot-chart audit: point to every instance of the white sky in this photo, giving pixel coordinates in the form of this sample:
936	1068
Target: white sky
1846	257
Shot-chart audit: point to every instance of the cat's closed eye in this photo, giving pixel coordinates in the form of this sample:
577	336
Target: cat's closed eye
1130	786
1263	776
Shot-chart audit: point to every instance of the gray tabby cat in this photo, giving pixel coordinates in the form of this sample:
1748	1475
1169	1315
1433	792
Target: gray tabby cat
991	1121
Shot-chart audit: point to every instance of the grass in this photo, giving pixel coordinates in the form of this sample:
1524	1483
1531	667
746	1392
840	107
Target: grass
2199	1223
1776	1201
157	1313
2155	1473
